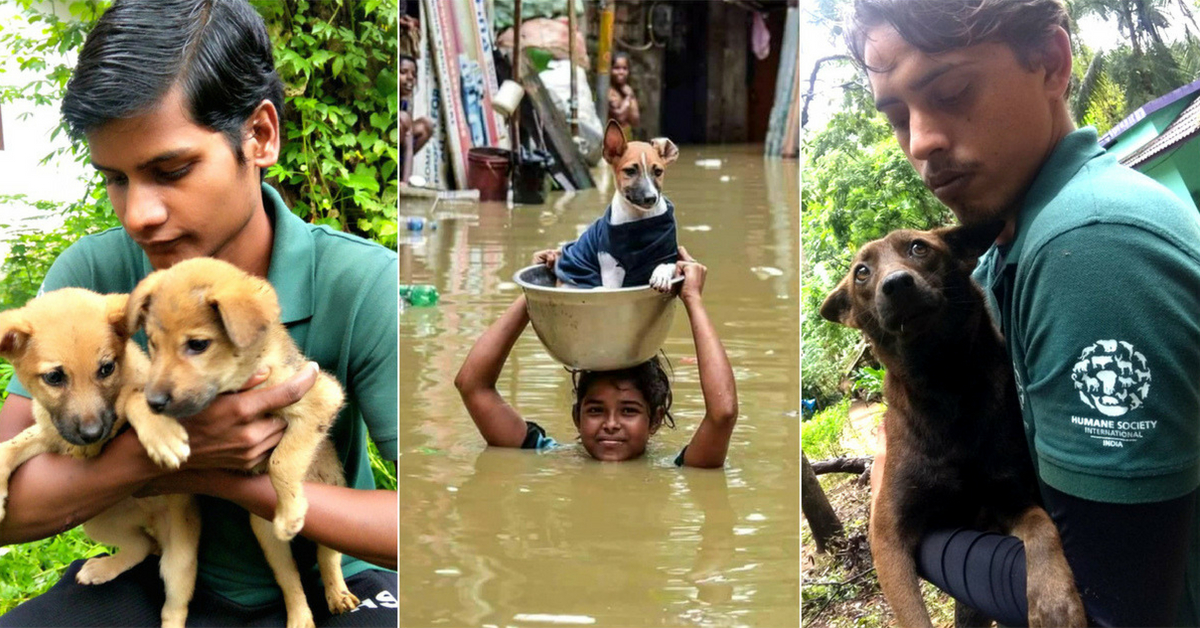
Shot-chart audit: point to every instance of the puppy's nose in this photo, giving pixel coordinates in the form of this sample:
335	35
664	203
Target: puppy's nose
91	431
897	282
158	401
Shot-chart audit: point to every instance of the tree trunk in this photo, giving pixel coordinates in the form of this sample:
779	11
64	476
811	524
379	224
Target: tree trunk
822	520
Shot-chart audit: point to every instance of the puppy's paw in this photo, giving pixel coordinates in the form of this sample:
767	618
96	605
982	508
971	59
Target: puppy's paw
99	570
340	600
661	278
166	442
1056	606
174	618
302	618
289	518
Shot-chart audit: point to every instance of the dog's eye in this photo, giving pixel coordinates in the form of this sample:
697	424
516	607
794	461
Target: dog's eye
658	172
55	378
106	369
631	171
918	249
861	273
197	345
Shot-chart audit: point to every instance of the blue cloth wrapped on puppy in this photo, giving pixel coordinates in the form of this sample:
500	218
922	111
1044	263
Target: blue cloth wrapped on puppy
639	247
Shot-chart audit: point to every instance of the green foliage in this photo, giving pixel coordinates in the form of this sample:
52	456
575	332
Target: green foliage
339	157
821	436
870	381
31	568
384	470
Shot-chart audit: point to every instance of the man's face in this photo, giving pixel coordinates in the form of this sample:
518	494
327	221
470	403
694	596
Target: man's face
974	122
408	77
176	187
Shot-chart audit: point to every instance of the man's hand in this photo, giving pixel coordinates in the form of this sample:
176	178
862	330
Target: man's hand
239	430
548	257
693	276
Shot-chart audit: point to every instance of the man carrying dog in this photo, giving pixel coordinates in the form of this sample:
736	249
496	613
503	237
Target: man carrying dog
1095	283
181	108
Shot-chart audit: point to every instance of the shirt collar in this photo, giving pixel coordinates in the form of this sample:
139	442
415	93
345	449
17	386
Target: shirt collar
1072	154
293	258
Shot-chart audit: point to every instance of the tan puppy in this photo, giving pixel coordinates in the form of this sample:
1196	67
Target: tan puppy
71	350
211	327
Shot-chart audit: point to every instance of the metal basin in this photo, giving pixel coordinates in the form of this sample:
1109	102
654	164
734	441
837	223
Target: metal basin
601	329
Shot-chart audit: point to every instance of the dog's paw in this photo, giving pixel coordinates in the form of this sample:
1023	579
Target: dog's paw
99	570
661	278
174	618
1056	607
289	518
166	442
302	618
340	600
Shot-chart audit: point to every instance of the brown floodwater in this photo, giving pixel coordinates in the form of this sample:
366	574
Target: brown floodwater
495	537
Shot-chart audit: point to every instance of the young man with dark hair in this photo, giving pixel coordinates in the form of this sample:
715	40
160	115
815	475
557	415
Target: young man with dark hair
180	106
1095	282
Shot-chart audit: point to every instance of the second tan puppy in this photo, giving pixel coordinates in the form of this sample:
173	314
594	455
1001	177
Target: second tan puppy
71	350
210	327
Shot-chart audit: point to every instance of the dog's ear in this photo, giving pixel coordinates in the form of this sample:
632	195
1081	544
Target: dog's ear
15	332
138	302
968	242
836	307
666	149
614	142
247	307
116	304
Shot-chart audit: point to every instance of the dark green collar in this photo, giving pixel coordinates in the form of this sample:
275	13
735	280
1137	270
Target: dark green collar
292	258
1071	154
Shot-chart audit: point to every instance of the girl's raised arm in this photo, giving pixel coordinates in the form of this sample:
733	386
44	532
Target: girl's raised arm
711	441
498	422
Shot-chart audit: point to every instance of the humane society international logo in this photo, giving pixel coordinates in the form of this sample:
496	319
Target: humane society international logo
1112	377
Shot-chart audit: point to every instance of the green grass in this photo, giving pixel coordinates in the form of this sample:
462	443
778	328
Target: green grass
31	568
821	436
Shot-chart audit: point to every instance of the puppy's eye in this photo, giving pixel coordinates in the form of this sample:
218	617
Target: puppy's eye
631	171
918	249
198	345
861	273
55	378
658	172
106	369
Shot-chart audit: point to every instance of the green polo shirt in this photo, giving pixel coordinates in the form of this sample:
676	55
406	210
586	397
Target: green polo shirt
337	293
1099	301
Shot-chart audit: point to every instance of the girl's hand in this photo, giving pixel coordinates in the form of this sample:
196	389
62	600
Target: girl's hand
547	257
693	276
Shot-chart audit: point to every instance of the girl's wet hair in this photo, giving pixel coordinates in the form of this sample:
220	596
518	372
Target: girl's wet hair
649	378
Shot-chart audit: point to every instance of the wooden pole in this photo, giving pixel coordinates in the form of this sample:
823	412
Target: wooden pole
516	73
574	103
604	59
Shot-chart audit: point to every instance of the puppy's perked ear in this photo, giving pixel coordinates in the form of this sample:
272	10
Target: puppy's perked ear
117	304
836	307
247	307
968	242
614	142
15	332
137	305
666	149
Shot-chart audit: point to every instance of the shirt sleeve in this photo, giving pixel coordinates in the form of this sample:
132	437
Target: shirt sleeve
374	360
1106	351
535	437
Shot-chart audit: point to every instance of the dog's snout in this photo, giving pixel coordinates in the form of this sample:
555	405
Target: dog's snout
897	282
158	401
93	429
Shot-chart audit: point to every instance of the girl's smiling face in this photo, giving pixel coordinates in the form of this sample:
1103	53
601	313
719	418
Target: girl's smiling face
614	420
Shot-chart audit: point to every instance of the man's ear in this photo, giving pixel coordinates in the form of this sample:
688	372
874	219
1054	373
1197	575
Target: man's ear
836	307
614	142
1056	60
260	134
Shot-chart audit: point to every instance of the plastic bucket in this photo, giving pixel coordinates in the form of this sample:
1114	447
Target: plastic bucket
487	171
529	182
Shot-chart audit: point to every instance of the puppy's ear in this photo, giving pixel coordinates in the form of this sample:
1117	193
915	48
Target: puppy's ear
614	142
15	332
116	304
836	307
137	304
666	149
247	307
968	242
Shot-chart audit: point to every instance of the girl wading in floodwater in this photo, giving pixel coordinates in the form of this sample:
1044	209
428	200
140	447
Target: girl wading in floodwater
615	412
